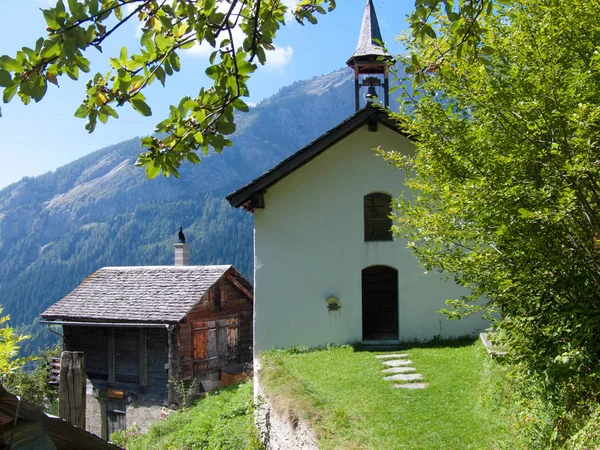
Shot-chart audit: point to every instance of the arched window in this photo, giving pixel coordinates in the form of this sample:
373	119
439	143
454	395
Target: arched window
377	210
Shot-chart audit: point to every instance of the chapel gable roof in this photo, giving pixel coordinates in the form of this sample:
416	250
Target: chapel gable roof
142	294
370	115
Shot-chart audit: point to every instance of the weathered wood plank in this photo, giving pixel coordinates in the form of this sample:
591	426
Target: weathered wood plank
111	356
71	394
143	357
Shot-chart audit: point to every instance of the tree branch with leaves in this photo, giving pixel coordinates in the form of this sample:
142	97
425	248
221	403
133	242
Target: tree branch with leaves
195	124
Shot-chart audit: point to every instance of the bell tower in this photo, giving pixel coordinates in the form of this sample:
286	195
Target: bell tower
370	61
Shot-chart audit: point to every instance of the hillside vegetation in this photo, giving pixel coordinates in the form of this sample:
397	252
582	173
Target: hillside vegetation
224	419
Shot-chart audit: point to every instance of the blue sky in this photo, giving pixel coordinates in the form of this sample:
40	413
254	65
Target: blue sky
41	137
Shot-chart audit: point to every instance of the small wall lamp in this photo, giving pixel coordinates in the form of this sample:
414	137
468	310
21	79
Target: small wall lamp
333	303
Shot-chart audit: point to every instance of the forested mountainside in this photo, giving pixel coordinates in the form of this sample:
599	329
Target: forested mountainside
58	228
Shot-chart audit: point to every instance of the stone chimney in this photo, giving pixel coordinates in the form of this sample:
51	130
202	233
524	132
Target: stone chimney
182	254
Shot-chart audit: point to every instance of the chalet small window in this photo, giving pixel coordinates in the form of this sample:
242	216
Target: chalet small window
377	211
217	299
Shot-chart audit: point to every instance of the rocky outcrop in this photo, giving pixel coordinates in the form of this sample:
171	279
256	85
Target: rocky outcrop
279	431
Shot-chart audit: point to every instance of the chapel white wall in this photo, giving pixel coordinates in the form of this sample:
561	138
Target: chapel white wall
309	245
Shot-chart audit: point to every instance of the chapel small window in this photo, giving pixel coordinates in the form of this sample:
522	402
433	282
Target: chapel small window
377	211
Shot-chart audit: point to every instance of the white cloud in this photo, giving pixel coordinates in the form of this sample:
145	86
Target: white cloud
291	5
279	58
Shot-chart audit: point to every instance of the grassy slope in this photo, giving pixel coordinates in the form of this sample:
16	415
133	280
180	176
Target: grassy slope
341	391
222	420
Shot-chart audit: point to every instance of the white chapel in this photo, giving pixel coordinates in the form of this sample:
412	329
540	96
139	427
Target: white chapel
327	268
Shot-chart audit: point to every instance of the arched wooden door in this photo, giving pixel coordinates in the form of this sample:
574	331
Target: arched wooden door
380	303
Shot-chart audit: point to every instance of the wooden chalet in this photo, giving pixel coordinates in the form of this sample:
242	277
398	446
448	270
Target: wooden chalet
142	327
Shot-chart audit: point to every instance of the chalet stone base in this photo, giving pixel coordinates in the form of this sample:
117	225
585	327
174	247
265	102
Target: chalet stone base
144	415
141	413
277	432
93	413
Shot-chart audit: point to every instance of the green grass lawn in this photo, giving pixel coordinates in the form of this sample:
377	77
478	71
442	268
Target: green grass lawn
222	420
342	393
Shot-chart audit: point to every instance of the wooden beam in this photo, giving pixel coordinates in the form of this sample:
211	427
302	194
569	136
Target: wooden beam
111	356
143	344
71	394
356	89
239	286
171	375
103	419
257	200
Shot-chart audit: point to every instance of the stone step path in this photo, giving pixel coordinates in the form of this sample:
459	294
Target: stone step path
404	377
399	370
392	356
398	366
398	362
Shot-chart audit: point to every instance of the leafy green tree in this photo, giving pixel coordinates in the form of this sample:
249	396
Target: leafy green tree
32	386
167	28
505	193
9	347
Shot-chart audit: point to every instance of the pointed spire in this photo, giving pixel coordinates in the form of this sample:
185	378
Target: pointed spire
370	61
369	40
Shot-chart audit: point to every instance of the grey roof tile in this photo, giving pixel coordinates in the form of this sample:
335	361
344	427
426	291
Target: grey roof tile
149	294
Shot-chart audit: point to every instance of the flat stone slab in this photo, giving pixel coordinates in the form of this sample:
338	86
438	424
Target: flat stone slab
410	386
404	377
392	356
399	370
398	362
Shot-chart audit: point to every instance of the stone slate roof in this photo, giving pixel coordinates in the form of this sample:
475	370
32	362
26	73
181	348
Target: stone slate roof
370	114
142	294
369	40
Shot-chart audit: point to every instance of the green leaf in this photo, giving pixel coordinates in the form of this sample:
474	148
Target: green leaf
174	60
39	89
193	158
225	127
141	107
93	7
9	64
73	5
160	74
82	111
5	78
213	72
9	93
240	105
52	49
152	170
209	6
123	56
487	50
50	18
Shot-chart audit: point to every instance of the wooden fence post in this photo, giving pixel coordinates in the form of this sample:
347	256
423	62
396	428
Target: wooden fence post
71	391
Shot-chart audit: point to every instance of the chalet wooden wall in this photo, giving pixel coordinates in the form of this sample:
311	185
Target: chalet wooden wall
95	343
223	317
